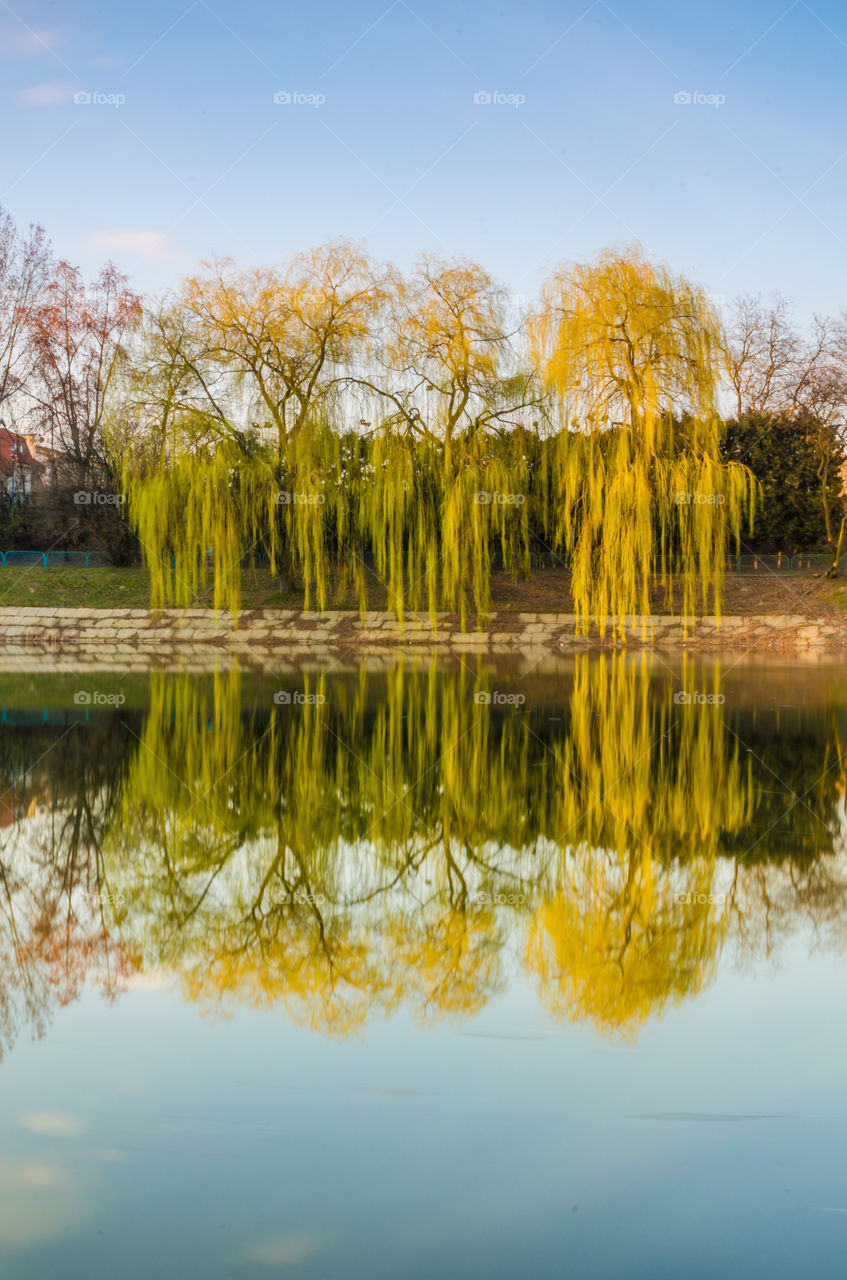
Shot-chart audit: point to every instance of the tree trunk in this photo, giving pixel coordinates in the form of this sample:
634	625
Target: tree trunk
832	572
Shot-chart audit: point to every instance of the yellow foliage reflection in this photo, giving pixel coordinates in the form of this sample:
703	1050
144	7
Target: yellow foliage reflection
346	846
347	849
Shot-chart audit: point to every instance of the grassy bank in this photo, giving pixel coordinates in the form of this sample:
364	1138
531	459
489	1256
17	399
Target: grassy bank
548	590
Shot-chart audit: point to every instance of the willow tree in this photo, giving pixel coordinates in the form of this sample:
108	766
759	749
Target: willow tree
449	476
235	393
632	355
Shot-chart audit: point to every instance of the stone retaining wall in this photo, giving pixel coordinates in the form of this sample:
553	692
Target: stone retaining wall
163	635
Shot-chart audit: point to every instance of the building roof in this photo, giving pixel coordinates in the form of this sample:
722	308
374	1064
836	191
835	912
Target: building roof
14	453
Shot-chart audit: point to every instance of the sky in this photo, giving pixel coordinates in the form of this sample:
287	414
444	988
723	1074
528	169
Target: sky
516	133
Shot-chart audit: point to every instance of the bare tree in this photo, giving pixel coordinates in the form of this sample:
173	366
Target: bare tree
775	368
24	265
79	335
762	353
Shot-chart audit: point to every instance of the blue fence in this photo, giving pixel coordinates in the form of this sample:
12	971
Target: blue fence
804	562
49	559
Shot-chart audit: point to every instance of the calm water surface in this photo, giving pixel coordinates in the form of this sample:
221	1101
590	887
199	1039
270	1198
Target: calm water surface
425	972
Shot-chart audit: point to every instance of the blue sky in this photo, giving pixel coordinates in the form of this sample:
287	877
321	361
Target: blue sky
745	194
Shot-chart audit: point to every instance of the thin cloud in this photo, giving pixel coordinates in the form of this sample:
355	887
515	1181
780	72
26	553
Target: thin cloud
17	43
144	244
51	93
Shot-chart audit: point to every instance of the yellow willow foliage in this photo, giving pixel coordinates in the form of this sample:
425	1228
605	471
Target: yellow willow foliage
476	807
277	335
648	784
341	855
402	801
632	354
433	517
398	512
449	320
242	374
641	772
485	501
183	514
190	758
324	979
703	527
613	947
333	976
202	510
312	459
624	341
446	963
256	447
446	488
446	329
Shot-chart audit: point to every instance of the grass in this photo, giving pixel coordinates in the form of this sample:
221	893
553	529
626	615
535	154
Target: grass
837	596
74	587
547	591
100	588
128	588
111	588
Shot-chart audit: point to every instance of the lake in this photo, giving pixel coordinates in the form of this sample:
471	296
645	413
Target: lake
429	970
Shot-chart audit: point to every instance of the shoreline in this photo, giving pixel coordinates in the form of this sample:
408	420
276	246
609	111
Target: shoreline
156	637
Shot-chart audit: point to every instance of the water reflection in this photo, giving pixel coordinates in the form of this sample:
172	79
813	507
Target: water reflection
409	839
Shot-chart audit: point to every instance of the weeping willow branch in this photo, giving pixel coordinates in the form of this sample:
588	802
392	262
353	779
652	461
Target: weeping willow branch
251	392
631	354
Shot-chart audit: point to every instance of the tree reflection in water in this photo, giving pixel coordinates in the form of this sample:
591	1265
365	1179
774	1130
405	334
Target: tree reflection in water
395	841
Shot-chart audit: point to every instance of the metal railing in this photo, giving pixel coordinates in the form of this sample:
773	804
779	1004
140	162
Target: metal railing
50	559
750	563
802	562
